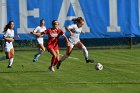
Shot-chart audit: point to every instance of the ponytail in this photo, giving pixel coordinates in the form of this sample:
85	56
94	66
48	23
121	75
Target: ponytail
77	20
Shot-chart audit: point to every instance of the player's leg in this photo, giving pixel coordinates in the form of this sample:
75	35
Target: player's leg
67	54
11	58
8	55
85	51
54	57
40	51
57	57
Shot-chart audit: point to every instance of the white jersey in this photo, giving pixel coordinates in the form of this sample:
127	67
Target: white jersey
40	29
76	33
9	34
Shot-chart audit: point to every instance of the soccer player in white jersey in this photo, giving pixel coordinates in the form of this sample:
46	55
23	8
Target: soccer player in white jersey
40	41
9	39
74	39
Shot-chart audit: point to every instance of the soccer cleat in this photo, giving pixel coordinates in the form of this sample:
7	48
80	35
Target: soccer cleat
51	69
9	66
58	64
89	61
35	60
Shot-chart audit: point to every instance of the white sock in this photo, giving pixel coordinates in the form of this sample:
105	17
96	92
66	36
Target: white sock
11	61
39	53
2	58
85	52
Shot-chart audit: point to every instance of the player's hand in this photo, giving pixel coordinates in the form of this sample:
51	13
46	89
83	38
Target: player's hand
38	34
71	34
15	37
31	32
11	40
18	36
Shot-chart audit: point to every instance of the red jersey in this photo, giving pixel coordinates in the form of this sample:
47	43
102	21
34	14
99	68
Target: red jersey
53	36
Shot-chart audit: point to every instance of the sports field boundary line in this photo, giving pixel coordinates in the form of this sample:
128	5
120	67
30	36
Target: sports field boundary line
106	83
103	82
70	57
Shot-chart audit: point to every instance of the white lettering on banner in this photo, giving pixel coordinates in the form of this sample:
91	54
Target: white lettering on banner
113	27
139	10
3	14
24	13
78	12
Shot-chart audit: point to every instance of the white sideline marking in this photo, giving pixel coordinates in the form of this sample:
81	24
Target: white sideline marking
112	82
71	57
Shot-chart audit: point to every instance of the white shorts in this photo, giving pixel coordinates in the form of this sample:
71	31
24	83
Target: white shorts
7	49
73	42
40	40
8	46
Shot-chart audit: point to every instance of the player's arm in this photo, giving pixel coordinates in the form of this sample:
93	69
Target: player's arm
35	33
69	29
45	32
8	39
66	39
42	33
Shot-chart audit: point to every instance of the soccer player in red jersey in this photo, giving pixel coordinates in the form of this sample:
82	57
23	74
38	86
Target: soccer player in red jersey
52	44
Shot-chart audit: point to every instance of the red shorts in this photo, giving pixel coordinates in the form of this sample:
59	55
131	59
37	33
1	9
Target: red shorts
55	47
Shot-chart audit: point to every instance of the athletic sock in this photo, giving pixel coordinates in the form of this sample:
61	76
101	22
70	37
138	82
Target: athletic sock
85	52
38	54
11	61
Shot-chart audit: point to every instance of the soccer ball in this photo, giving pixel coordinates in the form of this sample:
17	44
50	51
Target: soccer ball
99	66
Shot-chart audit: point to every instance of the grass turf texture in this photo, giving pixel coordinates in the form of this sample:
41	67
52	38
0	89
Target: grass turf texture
120	73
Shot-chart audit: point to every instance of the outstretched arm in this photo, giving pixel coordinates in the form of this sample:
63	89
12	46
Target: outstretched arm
66	39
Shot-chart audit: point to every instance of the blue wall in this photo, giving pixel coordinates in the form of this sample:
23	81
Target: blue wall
96	14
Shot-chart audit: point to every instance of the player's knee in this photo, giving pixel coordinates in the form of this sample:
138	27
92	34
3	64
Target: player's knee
12	56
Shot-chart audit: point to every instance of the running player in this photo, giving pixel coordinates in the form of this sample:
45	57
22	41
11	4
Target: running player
75	30
9	39
52	44
36	32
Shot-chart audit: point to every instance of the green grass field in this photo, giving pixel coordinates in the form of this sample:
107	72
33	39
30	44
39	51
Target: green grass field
121	73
